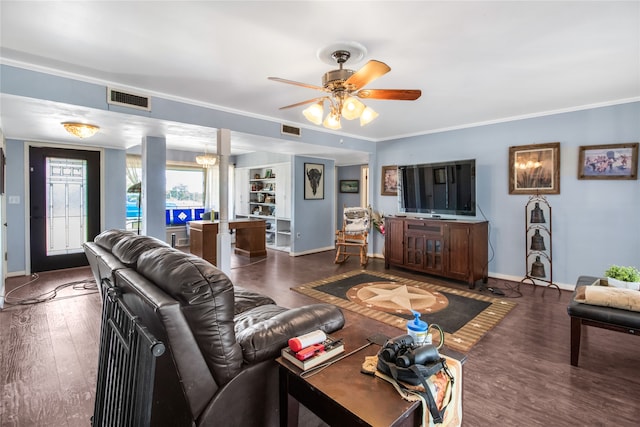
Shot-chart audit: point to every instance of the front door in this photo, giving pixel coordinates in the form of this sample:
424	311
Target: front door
65	206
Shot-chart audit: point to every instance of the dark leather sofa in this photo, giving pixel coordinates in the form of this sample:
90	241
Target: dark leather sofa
217	343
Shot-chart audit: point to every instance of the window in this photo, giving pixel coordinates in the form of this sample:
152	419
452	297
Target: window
190	191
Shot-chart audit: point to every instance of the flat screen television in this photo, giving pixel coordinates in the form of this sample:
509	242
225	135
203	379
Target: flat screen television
447	188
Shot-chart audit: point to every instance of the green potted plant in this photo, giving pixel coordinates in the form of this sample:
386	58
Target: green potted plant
623	277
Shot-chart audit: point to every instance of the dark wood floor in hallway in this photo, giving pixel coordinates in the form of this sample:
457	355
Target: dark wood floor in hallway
518	375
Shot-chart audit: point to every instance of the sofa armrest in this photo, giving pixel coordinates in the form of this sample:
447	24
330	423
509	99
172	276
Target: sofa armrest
265	340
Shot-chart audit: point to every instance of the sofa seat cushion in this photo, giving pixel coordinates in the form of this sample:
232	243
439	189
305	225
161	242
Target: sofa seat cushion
206	298
255	315
246	300
262	340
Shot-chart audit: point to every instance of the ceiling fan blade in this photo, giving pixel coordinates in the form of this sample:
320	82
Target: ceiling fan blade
308	101
365	75
397	94
291	82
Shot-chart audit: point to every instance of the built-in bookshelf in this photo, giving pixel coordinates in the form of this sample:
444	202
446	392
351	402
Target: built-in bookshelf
268	189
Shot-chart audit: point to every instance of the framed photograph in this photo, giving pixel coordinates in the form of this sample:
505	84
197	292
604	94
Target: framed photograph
440	176
389	181
313	181
534	169
349	186
268	173
613	161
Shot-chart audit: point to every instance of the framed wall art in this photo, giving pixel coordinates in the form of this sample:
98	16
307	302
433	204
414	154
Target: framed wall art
313	181
612	161
389	184
534	169
349	186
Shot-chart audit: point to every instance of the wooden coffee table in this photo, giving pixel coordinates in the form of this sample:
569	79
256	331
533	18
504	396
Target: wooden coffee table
341	395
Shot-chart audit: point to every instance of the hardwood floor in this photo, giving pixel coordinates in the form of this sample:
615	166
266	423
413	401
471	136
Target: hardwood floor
518	375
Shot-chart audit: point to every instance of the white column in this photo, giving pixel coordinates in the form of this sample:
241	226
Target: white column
224	238
154	187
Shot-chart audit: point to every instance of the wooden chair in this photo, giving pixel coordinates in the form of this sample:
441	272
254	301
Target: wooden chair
352	239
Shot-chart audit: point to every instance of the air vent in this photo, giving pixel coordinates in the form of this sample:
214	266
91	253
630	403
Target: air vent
290	130
118	97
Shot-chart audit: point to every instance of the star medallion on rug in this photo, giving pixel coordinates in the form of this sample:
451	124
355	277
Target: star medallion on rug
464	316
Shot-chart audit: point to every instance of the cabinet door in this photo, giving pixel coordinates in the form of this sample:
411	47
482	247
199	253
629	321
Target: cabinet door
241	205
424	246
414	250
393	241
459	251
283	190
434	253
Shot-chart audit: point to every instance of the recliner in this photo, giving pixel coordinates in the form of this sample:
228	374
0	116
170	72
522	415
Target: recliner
221	340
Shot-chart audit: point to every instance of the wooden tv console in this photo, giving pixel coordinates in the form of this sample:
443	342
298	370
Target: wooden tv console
456	249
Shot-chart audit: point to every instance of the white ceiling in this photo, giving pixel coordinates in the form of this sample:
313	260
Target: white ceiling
476	62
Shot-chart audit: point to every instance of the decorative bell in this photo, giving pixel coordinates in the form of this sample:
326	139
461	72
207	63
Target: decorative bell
537	215
537	268
537	242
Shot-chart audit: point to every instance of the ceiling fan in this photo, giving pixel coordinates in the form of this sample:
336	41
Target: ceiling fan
343	87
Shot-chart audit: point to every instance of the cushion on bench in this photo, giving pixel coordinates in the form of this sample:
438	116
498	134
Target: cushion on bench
615	316
608	296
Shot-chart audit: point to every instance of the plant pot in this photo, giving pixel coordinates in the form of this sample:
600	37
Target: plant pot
624	285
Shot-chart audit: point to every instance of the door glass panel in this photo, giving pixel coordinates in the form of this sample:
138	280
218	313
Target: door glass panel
66	205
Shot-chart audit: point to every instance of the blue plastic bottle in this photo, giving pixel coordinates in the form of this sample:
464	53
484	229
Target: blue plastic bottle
417	329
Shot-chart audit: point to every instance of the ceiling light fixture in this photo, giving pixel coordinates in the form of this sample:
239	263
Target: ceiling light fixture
206	160
341	106
81	130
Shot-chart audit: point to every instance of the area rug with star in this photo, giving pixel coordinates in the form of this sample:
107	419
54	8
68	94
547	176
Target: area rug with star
464	316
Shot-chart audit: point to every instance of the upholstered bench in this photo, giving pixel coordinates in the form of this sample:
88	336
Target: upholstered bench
614	319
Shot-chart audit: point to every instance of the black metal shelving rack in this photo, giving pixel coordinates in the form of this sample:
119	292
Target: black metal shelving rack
539	256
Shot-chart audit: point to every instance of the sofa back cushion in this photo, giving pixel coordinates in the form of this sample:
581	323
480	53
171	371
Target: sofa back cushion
207	302
129	249
107	239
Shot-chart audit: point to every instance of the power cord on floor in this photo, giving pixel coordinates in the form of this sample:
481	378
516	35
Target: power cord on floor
79	285
250	264
509	290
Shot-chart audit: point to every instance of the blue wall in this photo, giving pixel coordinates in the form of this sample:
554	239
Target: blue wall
595	222
347	199
314	219
113	203
16	213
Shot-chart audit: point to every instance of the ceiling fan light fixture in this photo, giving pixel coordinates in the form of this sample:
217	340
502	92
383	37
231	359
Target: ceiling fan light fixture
368	115
314	113
352	108
81	130
332	121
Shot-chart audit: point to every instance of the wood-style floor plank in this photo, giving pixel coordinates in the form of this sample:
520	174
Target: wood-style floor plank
517	375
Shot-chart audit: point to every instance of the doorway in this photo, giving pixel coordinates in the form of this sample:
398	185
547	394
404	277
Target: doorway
64	194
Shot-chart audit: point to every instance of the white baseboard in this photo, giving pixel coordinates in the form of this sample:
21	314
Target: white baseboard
16	273
313	251
517	279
